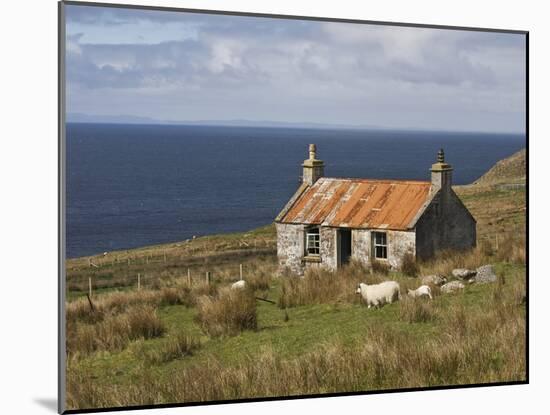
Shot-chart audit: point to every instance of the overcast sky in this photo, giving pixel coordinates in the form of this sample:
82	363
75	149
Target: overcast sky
188	67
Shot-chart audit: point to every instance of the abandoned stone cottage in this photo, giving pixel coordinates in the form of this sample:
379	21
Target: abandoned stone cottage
330	220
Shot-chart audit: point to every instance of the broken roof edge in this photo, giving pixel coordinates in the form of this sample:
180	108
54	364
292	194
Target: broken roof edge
423	208
301	189
366	179
323	225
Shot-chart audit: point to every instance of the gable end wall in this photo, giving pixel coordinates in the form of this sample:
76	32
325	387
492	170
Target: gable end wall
453	228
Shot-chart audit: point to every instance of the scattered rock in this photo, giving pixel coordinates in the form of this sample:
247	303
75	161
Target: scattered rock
463	273
485	274
451	287
434	279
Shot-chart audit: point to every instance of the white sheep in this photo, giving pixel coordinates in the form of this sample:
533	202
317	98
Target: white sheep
239	285
422	291
379	294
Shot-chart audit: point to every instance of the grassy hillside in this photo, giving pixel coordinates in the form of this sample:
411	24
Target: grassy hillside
498	200
510	170
175	342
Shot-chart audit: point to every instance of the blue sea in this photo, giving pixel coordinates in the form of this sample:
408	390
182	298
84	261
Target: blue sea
136	185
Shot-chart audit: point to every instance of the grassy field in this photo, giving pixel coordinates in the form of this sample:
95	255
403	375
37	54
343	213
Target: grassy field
171	342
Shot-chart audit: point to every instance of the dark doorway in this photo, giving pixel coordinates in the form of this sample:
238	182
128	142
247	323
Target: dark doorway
344	251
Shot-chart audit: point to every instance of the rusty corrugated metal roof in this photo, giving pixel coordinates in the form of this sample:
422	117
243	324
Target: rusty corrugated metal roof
359	203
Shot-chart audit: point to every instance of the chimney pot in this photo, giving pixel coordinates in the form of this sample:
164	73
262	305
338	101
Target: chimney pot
313	169
441	173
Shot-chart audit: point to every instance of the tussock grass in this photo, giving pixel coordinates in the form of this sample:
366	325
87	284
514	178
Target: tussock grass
260	281
380	267
316	287
320	285
416	310
486	248
176	347
512	249
229	313
118	302
114	332
409	266
185	295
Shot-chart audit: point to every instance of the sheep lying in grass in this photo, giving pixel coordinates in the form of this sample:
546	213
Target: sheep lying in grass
239	285
422	291
379	294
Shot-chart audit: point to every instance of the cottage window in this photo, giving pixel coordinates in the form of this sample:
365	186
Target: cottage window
312	241
380	245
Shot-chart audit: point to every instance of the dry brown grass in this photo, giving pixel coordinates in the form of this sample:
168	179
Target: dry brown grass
409	266
380	267
176	347
416	310
114	332
486	248
320	285
229	313
185	295
512	249
119	301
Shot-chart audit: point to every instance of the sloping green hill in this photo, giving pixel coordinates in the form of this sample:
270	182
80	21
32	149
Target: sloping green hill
510	170
498	199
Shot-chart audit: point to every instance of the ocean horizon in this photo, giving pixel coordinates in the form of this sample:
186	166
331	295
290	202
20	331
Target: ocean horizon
132	185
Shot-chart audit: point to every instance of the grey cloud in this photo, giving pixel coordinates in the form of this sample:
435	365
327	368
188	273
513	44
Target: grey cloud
243	67
110	16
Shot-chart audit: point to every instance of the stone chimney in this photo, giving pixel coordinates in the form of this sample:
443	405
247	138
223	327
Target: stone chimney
313	168
442	174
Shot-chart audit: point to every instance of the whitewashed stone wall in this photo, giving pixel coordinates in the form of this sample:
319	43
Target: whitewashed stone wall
361	245
328	247
399	244
290	247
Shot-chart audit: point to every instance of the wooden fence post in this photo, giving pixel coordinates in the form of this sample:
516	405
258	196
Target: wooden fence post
92	308
496	242
241	271
139	281
90	286
208	277
188	277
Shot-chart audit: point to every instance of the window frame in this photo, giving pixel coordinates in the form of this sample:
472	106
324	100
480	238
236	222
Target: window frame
383	245
315	233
